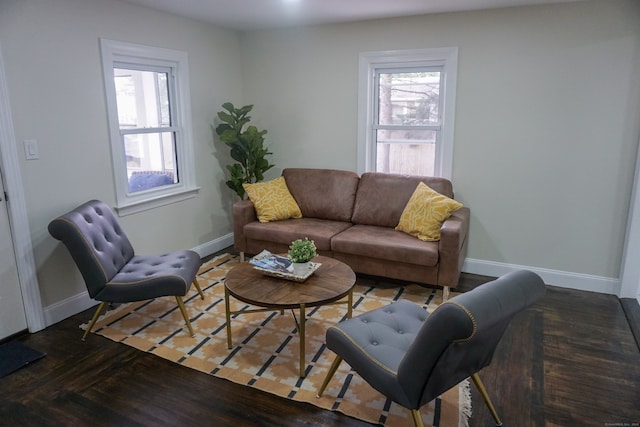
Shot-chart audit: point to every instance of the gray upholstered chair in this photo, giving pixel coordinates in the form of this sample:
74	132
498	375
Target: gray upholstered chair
112	272
412	356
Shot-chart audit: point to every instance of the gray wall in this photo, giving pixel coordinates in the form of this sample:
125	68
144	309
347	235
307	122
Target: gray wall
546	129
53	66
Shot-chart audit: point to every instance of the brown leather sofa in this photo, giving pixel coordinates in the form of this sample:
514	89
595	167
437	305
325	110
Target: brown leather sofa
352	219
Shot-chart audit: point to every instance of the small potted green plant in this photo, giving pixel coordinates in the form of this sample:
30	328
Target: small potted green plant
302	250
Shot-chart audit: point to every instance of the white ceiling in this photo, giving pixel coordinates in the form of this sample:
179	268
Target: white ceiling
265	14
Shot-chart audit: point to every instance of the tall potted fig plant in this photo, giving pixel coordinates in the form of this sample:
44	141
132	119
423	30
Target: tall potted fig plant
247	147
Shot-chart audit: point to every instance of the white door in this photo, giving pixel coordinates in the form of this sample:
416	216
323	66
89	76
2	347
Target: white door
12	314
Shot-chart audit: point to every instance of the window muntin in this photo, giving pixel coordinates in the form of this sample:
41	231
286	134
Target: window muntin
144	98
407	120
406	107
414	153
147	92
409	97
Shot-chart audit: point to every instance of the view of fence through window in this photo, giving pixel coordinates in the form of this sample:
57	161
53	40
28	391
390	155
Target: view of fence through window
408	121
144	116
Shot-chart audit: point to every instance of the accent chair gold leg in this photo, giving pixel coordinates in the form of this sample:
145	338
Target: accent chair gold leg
197	285
183	310
417	418
330	374
94	319
487	400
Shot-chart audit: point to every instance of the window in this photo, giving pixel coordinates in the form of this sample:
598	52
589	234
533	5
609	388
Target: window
406	107
147	93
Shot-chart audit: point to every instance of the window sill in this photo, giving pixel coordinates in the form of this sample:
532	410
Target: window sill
133	207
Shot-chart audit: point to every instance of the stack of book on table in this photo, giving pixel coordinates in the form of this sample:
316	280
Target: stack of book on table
265	260
282	267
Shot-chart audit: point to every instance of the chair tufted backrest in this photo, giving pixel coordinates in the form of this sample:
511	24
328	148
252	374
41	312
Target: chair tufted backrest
460	336
95	241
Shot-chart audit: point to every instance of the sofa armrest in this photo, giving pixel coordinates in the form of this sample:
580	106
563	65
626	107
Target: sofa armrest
453	247
243	214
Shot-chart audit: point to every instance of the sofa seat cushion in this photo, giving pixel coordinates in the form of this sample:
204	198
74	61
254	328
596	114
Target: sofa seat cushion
286	231
386	243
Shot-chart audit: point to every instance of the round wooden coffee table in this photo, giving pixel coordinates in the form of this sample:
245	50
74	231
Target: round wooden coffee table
329	284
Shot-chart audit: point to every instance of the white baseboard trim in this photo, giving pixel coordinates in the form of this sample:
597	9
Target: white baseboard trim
563	279
584	282
80	302
68	307
214	246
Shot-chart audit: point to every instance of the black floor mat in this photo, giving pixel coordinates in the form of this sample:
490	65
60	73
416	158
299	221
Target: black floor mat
14	355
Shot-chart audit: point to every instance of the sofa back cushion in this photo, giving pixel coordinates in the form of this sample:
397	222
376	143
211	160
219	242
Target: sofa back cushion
323	193
382	197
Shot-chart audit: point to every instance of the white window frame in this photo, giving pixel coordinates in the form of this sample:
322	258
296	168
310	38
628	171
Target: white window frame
115	53
369	64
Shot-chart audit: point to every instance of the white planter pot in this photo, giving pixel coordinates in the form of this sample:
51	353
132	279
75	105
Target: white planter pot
300	268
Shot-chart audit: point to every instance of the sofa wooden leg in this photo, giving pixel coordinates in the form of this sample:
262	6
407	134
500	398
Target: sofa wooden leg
445	293
241	256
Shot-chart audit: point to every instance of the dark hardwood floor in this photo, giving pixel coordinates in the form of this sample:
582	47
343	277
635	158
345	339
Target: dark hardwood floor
571	360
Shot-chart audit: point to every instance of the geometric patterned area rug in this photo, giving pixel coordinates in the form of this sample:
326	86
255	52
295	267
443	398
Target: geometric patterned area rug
265	347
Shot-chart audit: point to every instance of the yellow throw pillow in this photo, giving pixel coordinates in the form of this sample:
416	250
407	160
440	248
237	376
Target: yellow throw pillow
425	212
272	200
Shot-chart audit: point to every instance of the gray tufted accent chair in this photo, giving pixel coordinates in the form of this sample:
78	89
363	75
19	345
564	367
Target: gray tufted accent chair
412	356
111	270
